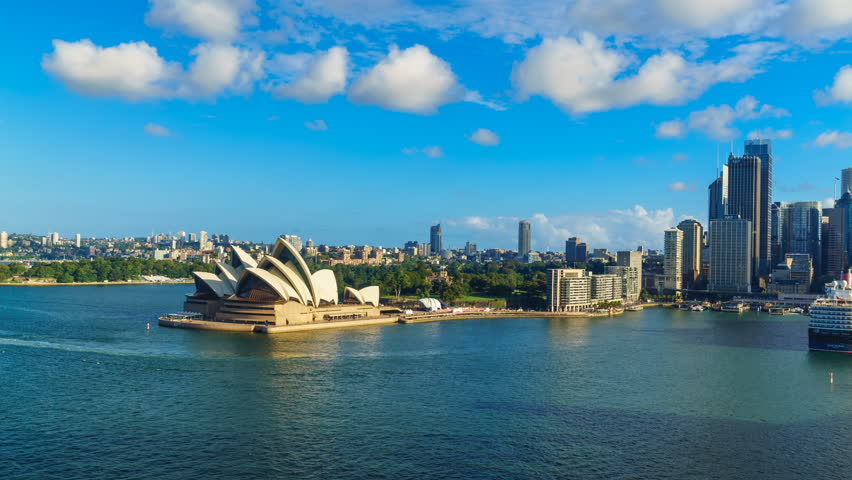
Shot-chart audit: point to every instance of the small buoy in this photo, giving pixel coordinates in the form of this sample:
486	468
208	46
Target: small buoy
831	378
148	326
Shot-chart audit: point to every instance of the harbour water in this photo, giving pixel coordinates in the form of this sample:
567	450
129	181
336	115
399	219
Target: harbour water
87	392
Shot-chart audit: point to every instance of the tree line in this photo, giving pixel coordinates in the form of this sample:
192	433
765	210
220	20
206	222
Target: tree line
102	269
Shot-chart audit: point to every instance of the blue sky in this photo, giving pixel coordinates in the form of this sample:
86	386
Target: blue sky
365	122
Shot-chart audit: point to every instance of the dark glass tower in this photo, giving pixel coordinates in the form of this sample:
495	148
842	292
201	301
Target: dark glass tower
763	149
523	237
744	201
435	246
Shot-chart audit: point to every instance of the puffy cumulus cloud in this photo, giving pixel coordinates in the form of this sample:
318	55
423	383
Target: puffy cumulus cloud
614	229
716	121
157	130
317	78
411	80
220	67
840	91
216	20
810	21
680	187
133	71
316	125
671	129
770	133
484	137
834	138
584	75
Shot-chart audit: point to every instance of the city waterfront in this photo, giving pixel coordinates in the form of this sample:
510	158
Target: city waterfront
89	392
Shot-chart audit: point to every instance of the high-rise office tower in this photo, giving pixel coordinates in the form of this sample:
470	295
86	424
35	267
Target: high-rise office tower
571	249
4	240
469	248
582	254
523	237
845	181
435	245
744	176
77	240
718	192
693	234
731	239
673	259
803	230
834	256
762	148
776	237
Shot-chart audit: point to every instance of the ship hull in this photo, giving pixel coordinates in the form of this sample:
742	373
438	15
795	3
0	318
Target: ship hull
819	340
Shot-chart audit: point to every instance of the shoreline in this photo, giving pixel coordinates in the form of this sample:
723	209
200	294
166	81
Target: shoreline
91	284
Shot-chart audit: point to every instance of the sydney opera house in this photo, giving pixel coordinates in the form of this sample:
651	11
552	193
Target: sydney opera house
277	294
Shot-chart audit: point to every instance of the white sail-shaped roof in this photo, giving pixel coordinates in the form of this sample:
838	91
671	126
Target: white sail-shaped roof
326	285
226	273
284	290
239	258
370	295
285	253
289	273
215	284
350	292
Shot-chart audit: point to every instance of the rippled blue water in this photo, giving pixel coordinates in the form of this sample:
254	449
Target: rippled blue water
86	392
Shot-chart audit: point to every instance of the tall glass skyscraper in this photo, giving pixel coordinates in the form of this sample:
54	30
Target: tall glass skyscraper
803	230
435	246
523	237
744	190
763	149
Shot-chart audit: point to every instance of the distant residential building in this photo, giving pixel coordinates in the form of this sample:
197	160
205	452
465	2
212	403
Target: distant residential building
693	234
523	237
632	259
202	240
295	241
803	230
606	288
601	255
193	238
469	248
77	240
834	257
435	241
424	249
673	259
582	254
4	240
730	255
630	280
568	290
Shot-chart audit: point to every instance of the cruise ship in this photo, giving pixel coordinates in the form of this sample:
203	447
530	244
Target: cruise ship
830	328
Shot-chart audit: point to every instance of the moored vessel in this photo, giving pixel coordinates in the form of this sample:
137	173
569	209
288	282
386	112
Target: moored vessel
830	327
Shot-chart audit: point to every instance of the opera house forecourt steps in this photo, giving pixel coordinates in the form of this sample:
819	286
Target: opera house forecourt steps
278	294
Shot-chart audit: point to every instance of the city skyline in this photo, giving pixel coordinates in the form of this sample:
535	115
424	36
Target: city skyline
137	148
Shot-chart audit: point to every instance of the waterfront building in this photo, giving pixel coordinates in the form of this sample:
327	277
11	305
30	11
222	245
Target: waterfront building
633	260
693	235
731	263
435	242
523	237
803	230
834	256
4	240
606	288
744	201
278	291
718	193
630	280
568	290
845	181
801	268
673	260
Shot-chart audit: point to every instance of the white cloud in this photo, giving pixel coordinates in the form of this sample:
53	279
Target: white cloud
157	130
411	80
613	229
834	138
770	133
586	76
316	125
716	121
813	20
680	187
671	129
216	20
484	137
703	14
133	71
320	77
840	91
432	151
680	157
220	67
475	97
